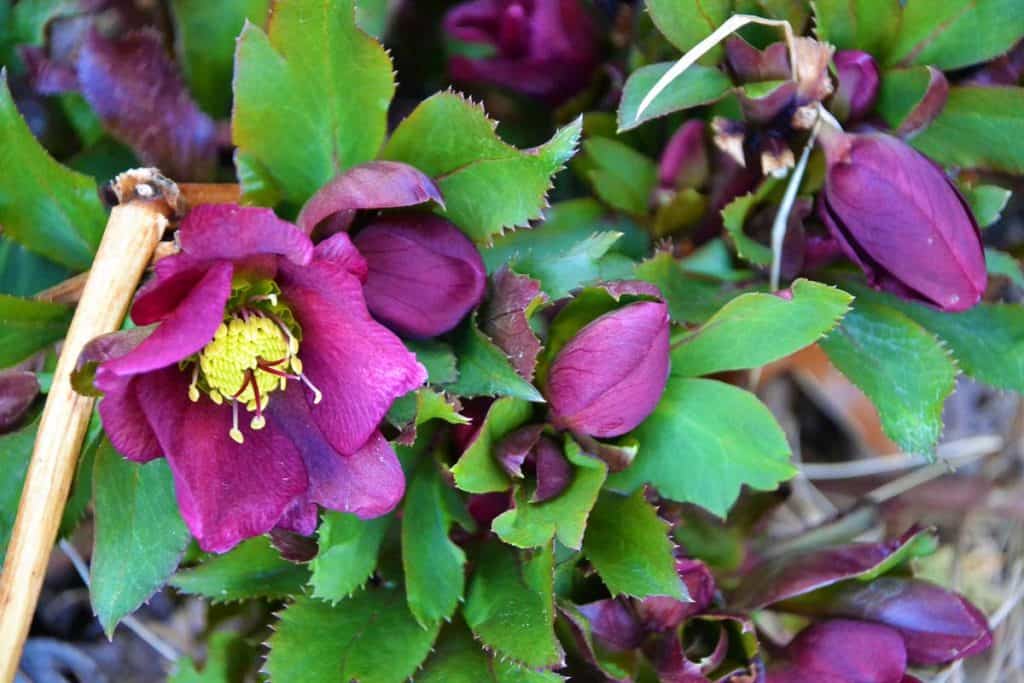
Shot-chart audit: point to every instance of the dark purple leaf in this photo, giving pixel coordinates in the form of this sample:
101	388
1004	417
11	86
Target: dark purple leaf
859	79
514	448
841	651
554	473
505	319
18	389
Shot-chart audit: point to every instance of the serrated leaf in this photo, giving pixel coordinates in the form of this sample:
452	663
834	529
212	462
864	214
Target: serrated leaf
348	554
484	369
900	366
754	329
370	637
697	86
561	273
630	547
437	357
979	127
433	565
81	487
987	202
15	453
488	185
735	215
44	206
945	34
457	658
27	326
140	535
703	442
254	569
531	524
510	606
206	33
867	25
622	177
227	659
310	98
478	471
690	299
687	23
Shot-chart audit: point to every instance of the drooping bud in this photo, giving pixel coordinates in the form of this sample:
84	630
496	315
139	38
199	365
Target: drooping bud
900	219
609	377
859	79
424	275
843	650
18	388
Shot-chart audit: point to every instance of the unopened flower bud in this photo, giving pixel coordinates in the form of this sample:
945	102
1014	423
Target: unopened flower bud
684	163
18	388
859	79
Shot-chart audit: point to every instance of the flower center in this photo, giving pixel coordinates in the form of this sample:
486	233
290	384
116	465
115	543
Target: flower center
252	354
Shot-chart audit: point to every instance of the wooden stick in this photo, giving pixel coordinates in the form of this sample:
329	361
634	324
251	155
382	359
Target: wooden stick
131	235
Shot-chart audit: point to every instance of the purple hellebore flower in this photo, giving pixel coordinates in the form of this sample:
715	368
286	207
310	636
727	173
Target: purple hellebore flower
843	651
543	48
899	218
262	379
859	79
609	377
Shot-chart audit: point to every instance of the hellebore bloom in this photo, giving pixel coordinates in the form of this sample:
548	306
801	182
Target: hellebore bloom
859	79
899	218
609	377
843	651
547	49
261	378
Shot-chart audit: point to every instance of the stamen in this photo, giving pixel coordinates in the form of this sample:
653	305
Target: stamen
293	343
296	365
257	422
193	390
235	433
317	394
216	397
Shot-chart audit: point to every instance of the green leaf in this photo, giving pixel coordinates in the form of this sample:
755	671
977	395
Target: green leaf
690	299
23	272
348	554
621	176
900	92
49	209
703	442
946	34
979	127
254	569
868	25
140	535
311	98
630	547
373	15
477	471
227	658
488	185
457	658
735	215
900	366
987	341
697	86
81	487
510	606
754	329
986	201
370	637
31	17
534	524
15	454
27	326
561	273
437	358
433	565
1000	263
484	369
206	33
686	23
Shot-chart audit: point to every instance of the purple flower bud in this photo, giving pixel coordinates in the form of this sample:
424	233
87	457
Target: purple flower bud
528	448
684	163
900	219
613	624
859	79
664	614
847	651
609	377
18	389
424	275
547	50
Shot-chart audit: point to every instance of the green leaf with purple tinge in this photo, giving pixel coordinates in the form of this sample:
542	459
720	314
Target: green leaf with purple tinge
867	25
477	470
348	554
697	86
311	99
253	569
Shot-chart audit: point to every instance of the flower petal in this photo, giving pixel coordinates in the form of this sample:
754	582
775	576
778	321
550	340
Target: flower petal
228	231
338	249
185	332
424	274
376	185
227	491
124	419
360	366
174	277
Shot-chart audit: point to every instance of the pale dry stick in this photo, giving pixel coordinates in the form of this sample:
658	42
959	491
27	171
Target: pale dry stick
918	477
953	452
728	27
132	233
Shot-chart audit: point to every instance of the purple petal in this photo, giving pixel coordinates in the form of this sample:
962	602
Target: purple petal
684	163
424	274
227	491
613	624
360	366
136	90
185	332
554	473
859	79
228	231
376	185
750	65
610	376
294	546
18	389
174	277
339	250
840	651
513	449
124	419
47	76
504	319
928	107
